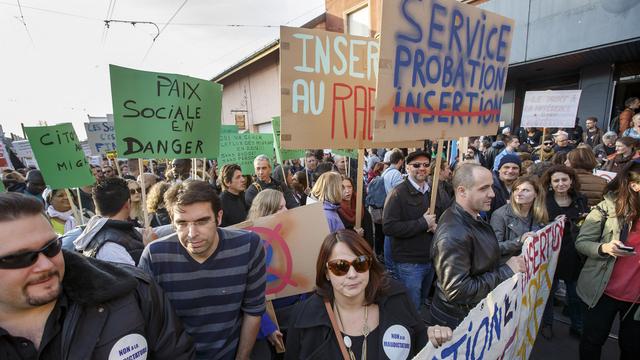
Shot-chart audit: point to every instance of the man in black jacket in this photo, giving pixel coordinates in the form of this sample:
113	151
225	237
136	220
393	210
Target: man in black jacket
262	166
111	236
508	172
407	220
59	305
234	208
465	251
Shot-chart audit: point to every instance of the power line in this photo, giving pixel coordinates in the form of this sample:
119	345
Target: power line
24	22
164	27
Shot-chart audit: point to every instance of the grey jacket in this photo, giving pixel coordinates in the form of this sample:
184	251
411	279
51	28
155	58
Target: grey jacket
509	228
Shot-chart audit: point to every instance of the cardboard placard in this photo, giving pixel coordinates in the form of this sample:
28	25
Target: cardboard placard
62	161
242	149
101	137
443	70
504	325
292	244
161	115
328	90
229	129
5	160
607	175
282	154
550	109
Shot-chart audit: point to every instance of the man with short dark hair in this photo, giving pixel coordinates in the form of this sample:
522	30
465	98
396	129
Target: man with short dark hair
593	135
407	221
35	184
110	235
214	277
512	145
234	208
264	180
181	169
59	305
108	172
465	251
545	151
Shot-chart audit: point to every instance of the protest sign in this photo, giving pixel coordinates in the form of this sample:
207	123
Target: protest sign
292	244
2	189
5	160
550	109
101	137
242	149
164	115
282	154
504	325
607	175
328	90
22	148
443	70
229	129
61	158
346	152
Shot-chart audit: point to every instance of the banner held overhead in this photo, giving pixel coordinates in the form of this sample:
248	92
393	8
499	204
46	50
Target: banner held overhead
161	115
242	149
550	109
443	70
101	137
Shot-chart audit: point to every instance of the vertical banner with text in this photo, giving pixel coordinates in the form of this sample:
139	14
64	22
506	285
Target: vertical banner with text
161	115
504	325
443	70
60	156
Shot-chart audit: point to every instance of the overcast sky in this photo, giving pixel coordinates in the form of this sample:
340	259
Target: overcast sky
56	69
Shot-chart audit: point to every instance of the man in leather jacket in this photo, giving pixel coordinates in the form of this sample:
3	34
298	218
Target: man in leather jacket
60	305
465	251
111	236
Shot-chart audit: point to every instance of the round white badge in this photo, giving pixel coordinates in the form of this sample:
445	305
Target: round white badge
396	342
130	347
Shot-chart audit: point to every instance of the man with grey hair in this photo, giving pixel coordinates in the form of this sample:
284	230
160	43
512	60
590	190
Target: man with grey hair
264	180
465	251
607	148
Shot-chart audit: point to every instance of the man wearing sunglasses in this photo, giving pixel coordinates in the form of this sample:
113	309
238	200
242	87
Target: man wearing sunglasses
59	305
407	221
545	151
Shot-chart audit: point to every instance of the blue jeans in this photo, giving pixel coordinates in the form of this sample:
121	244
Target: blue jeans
417	278
388	261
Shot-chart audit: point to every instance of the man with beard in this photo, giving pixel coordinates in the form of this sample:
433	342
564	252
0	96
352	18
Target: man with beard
465	252
407	220
59	305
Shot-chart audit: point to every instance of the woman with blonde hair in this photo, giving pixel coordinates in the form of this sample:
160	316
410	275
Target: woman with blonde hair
328	190
136	201
525	213
267	202
155	205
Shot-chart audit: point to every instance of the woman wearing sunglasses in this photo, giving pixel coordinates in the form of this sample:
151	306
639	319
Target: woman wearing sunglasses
136	201
356	312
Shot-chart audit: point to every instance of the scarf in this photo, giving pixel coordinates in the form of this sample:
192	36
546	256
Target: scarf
67	216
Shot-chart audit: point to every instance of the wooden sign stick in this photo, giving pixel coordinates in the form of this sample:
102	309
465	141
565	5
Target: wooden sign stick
436	177
80	206
306	171
359	189
76	215
144	195
118	167
204	169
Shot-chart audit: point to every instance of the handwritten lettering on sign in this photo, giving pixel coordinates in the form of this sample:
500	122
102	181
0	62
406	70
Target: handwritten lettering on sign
504	325
165	115
443	70
101	137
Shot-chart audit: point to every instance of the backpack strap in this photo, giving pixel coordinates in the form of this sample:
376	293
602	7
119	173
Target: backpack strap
257	186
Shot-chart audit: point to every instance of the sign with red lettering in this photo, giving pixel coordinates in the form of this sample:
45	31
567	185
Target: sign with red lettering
442	70
328	90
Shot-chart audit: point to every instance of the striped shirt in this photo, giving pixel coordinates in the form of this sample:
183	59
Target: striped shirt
211	298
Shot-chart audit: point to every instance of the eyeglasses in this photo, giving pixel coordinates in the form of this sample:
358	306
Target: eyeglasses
418	165
547	143
341	267
26	259
136	190
182	225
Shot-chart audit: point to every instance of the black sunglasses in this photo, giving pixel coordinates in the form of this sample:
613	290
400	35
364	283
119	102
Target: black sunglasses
136	190
417	165
26	259
341	267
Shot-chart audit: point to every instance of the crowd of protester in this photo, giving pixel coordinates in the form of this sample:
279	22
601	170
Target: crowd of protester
199	287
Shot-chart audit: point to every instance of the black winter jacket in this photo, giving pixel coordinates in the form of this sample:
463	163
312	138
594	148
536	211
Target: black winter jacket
120	232
260	185
310	335
403	221
466	259
108	303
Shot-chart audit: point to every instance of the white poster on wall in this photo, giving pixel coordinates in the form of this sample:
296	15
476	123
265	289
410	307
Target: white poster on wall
550	109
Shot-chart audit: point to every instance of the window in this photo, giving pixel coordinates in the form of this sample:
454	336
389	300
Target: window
358	22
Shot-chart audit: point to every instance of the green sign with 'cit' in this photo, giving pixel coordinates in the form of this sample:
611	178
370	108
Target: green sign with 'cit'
161	115
60	156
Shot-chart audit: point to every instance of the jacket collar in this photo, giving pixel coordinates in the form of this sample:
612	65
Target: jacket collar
90	281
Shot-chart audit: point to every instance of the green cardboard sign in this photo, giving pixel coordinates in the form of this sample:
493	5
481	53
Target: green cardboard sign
229	129
60	156
282	154
1	186
346	152
161	115
242	149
